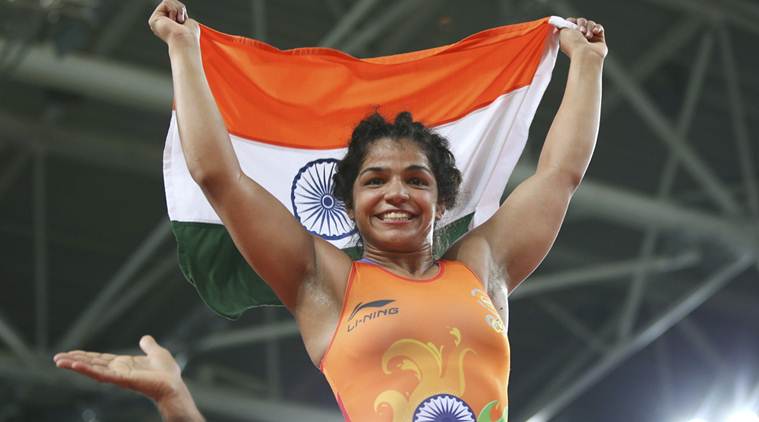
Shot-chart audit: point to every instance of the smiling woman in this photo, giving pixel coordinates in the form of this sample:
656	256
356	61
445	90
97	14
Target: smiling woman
393	176
375	127
366	324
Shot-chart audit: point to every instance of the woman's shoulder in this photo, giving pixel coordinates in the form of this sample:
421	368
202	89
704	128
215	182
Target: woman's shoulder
472	254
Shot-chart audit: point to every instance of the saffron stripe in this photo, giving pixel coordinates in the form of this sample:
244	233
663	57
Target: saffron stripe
286	97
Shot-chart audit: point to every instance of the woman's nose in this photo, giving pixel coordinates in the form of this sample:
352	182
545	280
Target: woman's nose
396	192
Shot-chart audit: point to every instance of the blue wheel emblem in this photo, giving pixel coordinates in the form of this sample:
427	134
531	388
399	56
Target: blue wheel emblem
314	204
443	408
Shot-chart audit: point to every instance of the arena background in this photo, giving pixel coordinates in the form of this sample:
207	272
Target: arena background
647	309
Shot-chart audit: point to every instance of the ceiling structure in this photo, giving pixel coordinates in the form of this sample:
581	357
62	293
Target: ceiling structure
645	310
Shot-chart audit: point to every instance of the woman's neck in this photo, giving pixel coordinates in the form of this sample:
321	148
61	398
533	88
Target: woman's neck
415	264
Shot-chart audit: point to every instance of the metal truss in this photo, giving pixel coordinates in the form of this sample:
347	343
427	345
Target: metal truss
29	135
549	407
246	336
574	381
10	174
693	91
82	328
542	284
209	398
674	39
573	325
16	344
40	252
738	114
259	19
93	76
346	24
381	23
118	27
740	13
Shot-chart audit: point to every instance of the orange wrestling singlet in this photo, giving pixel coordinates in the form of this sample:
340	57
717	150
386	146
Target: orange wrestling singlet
418	350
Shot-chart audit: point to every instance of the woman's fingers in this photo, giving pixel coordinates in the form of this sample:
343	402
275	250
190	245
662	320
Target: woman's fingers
171	9
154	375
170	21
591	30
582	25
148	344
86	367
91	359
595	32
98	372
587	32
74	356
600	34
103	367
93	368
172	13
178	10
153	349
182	15
158	356
84	355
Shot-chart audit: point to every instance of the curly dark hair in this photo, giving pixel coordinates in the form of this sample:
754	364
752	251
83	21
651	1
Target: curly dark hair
374	127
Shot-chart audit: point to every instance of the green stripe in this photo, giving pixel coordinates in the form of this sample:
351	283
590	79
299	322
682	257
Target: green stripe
226	283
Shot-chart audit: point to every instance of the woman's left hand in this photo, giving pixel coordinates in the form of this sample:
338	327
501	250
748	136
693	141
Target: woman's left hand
588	37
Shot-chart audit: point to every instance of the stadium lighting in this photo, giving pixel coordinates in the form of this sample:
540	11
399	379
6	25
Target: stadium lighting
743	416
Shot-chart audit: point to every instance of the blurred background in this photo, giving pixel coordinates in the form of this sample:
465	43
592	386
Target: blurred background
647	309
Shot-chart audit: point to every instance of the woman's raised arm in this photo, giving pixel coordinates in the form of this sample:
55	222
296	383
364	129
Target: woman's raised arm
517	238
277	247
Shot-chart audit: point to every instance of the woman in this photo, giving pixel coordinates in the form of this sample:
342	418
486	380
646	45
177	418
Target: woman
367	324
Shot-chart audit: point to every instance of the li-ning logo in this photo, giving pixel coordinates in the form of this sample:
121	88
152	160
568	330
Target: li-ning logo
353	324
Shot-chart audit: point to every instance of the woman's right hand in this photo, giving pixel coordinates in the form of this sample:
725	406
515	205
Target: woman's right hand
170	23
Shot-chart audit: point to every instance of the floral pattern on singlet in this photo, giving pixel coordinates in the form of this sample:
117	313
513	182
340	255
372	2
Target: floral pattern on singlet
407	351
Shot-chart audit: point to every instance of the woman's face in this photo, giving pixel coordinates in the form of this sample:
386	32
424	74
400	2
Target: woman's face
395	197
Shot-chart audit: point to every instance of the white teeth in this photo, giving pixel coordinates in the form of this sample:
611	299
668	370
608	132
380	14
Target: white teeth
396	216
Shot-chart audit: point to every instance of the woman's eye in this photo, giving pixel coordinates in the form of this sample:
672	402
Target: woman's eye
374	181
417	181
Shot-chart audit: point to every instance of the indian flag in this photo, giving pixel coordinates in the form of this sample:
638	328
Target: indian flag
290	115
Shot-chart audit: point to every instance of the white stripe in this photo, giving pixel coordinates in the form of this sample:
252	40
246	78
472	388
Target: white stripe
506	138
561	23
486	143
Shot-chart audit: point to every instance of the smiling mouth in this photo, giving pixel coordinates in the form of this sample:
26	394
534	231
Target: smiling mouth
395	217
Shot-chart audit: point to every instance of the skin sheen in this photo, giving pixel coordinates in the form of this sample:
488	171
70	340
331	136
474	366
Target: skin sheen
395	209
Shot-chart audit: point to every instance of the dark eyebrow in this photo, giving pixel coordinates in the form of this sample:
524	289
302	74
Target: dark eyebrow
414	167
417	167
377	169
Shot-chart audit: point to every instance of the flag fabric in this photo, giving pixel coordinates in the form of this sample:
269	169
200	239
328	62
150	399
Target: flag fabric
290	115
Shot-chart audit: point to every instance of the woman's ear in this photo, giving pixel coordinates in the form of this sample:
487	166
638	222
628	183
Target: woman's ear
439	211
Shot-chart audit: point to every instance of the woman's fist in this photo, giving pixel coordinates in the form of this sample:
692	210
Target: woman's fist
589	36
170	23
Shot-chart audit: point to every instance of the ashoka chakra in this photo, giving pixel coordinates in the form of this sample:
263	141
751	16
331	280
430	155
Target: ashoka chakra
443	408
314	204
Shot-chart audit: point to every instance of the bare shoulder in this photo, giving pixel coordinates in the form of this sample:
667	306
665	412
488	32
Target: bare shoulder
473	250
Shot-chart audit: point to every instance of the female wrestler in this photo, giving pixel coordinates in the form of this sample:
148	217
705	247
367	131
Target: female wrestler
366	324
